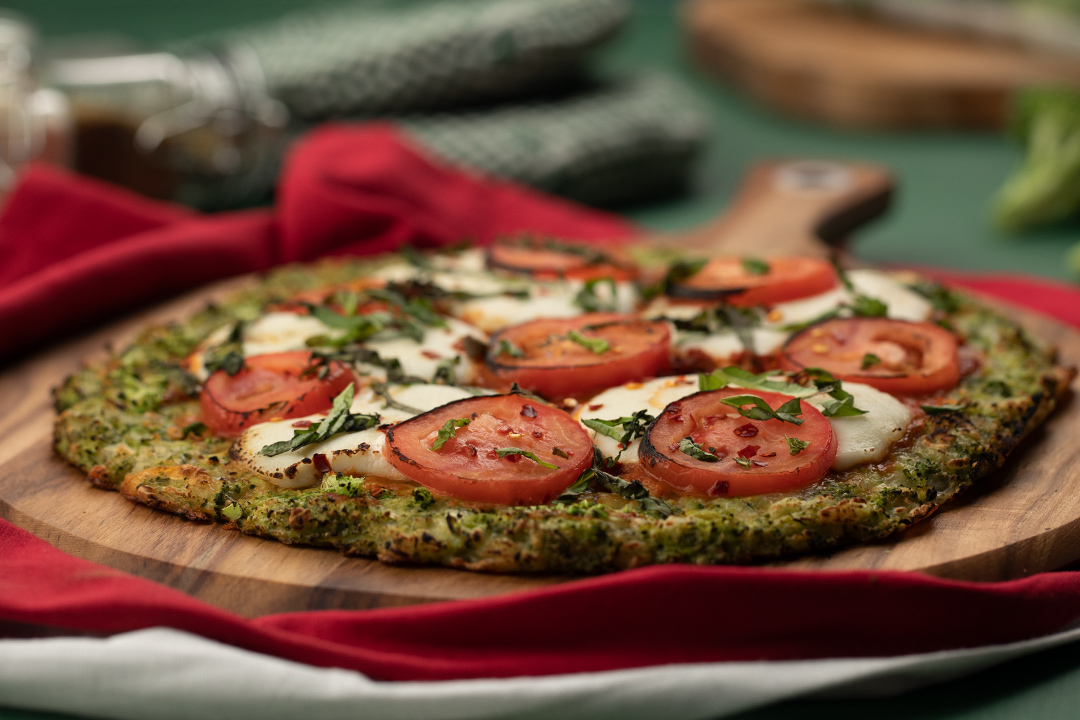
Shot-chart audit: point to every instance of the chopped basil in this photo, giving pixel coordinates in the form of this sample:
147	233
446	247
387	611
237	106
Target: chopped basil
683	270
503	452
383	391
844	407
688	447
229	355
338	420
754	266
633	427
516	389
589	301
939	296
744	461
415	258
448	430
721	318
444	371
865	306
823	383
795	445
629	490
508	348
869	360
598	346
941	409
557	452
841	272
195	428
761	410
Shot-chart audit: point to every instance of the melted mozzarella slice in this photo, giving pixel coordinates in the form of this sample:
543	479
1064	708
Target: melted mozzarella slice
274	332
625	400
359	454
545	300
860	438
421	360
867	438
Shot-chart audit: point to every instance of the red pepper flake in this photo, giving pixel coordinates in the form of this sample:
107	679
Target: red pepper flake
748	430
322	465
538	434
749	451
431	354
672	447
720	488
511	458
505	430
302	424
596	406
674	408
528	411
772	454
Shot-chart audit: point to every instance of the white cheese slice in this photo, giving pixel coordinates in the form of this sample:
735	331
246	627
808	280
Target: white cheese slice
360	454
422	359
274	332
866	438
860	438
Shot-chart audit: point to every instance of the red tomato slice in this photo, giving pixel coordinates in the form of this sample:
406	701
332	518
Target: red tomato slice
722	432
269	387
892	355
467	466
787	278
557	367
546	258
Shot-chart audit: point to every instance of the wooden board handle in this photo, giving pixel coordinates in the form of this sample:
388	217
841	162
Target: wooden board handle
789	207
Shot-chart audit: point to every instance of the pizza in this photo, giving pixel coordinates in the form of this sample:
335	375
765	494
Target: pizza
545	406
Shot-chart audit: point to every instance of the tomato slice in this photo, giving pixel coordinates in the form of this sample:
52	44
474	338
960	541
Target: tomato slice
611	349
547	258
468	466
895	356
731	279
722	432
269	387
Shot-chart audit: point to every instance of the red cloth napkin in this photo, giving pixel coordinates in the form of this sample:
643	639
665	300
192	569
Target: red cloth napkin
75	249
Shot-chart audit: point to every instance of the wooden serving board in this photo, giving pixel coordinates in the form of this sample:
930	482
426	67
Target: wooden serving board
1025	519
810	60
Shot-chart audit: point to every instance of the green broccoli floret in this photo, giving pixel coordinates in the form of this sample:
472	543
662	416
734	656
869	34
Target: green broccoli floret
1046	189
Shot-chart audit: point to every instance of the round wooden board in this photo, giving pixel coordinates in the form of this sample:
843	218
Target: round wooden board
1025	519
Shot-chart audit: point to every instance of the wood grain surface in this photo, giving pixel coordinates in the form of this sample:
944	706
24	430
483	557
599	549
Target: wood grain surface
813	61
1025	519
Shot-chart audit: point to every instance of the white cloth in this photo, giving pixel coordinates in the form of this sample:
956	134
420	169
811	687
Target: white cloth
167	674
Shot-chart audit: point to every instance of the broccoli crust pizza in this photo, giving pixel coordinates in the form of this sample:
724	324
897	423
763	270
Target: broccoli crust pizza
542	406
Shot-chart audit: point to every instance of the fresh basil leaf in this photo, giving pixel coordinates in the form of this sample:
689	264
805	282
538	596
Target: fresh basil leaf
681	270
503	452
827	315
869	360
744	461
516	389
195	428
844	407
841	272
598	346
632	491
688	447
415	258
865	306
508	348
941	409
795	445
755	266
448	430
761	410
338	420
606	427
383	391
558	452
751	381
445	371
940	297
589	301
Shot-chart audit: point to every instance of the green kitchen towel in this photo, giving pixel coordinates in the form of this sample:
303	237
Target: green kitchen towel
378	58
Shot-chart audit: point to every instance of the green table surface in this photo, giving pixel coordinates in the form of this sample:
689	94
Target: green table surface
945	180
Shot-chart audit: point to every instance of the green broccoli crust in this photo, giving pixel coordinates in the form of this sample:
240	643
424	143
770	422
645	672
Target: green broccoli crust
129	423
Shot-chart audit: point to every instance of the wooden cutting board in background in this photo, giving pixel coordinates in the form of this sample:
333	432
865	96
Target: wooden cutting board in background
1025	519
812	61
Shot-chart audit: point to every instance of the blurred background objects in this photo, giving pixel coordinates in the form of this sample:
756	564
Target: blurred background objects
632	115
